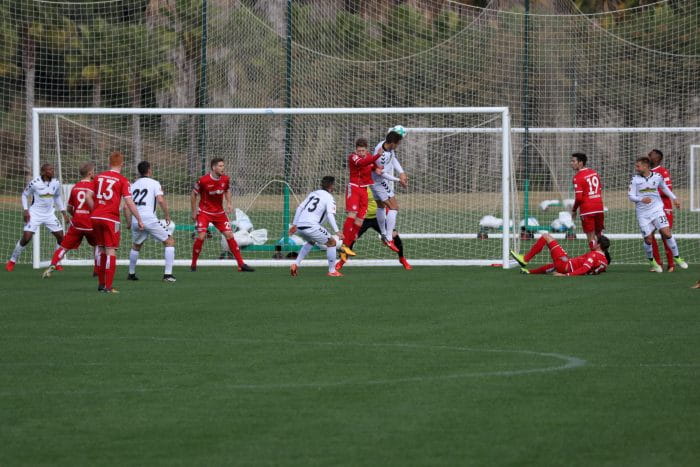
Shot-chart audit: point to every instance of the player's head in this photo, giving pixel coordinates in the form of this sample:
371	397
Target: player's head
46	171
578	160
392	140
327	183
144	168
642	165
217	166
87	170
361	146
604	244
655	156
116	160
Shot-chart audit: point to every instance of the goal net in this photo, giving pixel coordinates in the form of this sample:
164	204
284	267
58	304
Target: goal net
457	160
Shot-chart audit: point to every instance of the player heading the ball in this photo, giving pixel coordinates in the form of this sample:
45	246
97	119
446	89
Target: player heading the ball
212	189
589	198
318	207
594	262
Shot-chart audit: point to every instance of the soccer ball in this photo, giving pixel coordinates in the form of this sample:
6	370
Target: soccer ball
170	228
398	129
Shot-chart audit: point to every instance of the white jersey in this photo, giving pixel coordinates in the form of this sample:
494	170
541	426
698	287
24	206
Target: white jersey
144	192
390	163
44	196
319	206
648	187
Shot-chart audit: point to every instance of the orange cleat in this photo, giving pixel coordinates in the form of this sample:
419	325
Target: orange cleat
10	266
390	245
405	264
293	270
334	274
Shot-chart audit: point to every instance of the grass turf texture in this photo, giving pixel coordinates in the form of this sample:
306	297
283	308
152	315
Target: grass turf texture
368	369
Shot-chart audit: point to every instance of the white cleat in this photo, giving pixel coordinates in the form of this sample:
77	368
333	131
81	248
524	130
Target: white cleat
680	262
655	267
47	273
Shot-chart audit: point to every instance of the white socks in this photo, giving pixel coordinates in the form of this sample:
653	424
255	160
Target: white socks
169	259
17	252
391	223
330	254
381	220
648	250
133	258
671	242
303	252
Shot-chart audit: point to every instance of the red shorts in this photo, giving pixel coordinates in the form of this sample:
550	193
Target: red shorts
106	233
356	200
560	257
220	221
74	237
593	222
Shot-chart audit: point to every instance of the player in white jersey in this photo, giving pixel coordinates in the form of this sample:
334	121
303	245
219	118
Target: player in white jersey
318	207
383	187
147	195
45	192
644	192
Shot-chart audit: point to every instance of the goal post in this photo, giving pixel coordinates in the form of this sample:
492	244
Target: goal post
456	178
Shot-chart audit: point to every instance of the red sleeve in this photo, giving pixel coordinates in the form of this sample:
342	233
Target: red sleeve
579	195
583	270
195	187
368	160
667	179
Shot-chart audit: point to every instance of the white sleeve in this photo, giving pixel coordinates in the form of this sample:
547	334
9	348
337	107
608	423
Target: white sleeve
330	210
58	199
297	213
25	196
666	189
159	189
397	165
388	176
632	193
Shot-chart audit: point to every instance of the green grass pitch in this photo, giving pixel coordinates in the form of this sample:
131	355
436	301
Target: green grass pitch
436	366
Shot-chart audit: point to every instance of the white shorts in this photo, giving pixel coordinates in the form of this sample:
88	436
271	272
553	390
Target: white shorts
382	191
152	228
314	234
51	223
655	220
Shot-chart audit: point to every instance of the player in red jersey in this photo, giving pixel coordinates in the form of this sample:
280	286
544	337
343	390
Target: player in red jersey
361	164
594	262
656	156
212	189
80	223
589	198
108	189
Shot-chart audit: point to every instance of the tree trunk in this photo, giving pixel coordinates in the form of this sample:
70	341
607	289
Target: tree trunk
29	64
94	120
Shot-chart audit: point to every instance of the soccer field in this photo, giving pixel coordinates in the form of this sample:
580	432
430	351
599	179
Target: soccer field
436	366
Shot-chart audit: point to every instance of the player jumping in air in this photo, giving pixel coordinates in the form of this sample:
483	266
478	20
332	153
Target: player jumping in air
80	222
644	192
594	262
108	190
361	164
319	206
383	187
589	198
147	193
370	222
212	189
656	157
45	191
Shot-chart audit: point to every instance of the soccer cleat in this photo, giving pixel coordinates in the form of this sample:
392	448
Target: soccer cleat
339	264
59	267
671	268
293	270
47	273
347	251
169	278
405	264
389	244
100	288
343	257
132	277
245	268
696	286
112	290
680	262
519	258
193	268
524	271
94	273
655	267
334	274
10	266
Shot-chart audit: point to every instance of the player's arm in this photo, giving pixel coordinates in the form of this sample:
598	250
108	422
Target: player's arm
365	161
667	191
403	178
194	198
25	202
633	195
127	214
334	225
297	213
578	197
228	202
132	207
164	206
388	176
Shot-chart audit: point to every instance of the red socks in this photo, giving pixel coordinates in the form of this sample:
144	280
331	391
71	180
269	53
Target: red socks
57	255
101	263
196	250
233	246
110	270
349	231
536	248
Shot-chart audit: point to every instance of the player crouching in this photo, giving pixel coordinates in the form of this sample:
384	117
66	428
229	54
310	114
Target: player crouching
317	207
594	262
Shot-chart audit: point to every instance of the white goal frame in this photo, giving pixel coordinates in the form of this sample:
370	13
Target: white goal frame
506	175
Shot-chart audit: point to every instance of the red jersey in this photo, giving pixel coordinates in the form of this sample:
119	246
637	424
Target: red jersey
211	191
81	212
593	262
109	188
589	192
361	169
668	204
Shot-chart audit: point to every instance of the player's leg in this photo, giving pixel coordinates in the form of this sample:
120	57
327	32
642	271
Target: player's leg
532	252
169	254
655	250
224	226
389	211
393	210
667	235
201	228
112	236
646	226
546	269
381	217
29	229
330	253
71	241
399	244
57	231
667	248
138	237
366	225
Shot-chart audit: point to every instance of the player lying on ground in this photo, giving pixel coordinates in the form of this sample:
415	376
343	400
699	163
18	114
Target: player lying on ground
644	192
589	198
383	186
361	164
146	193
108	190
656	156
594	262
80	222
370	222
45	191
212	189
317	207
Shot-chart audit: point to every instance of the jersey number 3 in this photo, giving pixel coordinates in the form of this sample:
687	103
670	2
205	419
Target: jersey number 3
315	202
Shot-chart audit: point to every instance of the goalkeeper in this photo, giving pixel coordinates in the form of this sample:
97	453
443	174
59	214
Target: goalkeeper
371	222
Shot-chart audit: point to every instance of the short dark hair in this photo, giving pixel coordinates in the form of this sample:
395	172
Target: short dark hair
581	157
393	137
644	160
658	153
215	161
327	181
143	168
361	143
